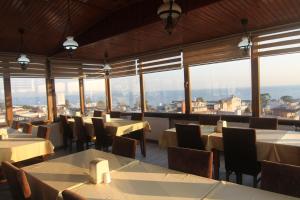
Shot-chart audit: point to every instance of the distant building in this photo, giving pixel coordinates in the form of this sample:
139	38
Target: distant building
285	112
199	106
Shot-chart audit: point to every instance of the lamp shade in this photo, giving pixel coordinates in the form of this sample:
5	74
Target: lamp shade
245	43
107	69
70	43
23	60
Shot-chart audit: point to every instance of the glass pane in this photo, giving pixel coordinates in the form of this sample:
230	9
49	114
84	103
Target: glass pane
67	96
94	92
280	86
221	88
29	98
2	102
164	91
125	93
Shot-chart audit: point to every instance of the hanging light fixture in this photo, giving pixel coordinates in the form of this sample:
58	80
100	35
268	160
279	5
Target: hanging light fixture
23	60
245	43
170	13
106	66
70	44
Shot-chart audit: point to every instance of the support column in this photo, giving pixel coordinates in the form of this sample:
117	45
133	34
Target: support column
8	98
108	95
187	89
51	97
81	94
255	84
142	94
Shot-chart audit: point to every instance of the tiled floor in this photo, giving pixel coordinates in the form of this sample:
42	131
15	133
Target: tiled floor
155	155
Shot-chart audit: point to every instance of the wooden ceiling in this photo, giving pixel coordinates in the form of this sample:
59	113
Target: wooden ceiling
125	28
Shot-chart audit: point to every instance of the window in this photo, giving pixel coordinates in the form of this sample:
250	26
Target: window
164	91
29	99
67	96
221	88
125	93
280	86
94	92
2	102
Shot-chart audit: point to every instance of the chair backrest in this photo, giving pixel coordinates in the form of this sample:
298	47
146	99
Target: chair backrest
191	161
115	114
69	195
240	150
100	132
124	147
17	181
209	119
80	129
43	132
189	136
263	123
99	113
15	124
67	130
137	116
27	128
280	178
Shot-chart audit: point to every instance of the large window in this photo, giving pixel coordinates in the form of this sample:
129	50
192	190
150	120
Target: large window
29	98
2	102
221	88
94	91
164	91
67	96
280	86
125	93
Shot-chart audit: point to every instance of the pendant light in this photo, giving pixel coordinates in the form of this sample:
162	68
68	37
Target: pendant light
170	13
23	60
106	66
245	43
70	44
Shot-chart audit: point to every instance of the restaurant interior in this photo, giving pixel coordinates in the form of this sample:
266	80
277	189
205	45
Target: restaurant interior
140	99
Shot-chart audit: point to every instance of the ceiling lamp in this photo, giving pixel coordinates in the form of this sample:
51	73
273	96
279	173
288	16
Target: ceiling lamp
245	43
70	44
106	67
23	60
170	13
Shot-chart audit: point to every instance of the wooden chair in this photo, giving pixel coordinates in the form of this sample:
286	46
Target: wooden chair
98	113
263	123
124	147
191	161
69	195
17	181
240	153
103	138
82	135
280	178
43	132
27	128
189	136
115	114
15	125
209	119
67	131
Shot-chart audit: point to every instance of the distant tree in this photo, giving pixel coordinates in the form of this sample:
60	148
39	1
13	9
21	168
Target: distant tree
200	99
287	99
265	99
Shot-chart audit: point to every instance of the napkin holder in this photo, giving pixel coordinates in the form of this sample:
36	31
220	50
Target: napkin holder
98	168
3	134
77	114
220	125
3	137
106	118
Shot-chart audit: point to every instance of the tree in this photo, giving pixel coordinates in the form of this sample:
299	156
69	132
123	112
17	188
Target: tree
287	99
265	99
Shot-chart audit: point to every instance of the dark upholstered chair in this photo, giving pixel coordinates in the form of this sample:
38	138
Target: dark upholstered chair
137	116
115	114
124	147
263	123
67	131
99	113
103	138
69	195
240	153
191	161
15	124
189	136
43	132
209	119
18	184
280	178
27	128
82	135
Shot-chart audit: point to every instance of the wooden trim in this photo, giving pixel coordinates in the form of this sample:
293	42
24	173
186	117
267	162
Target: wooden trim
81	95
277	51
277	44
108	94
276	36
51	98
187	89
142	93
255	85
8	99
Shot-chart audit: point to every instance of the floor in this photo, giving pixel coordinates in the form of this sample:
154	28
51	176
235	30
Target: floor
155	155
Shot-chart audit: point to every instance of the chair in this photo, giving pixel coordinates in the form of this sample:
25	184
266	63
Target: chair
191	161
263	123
209	119
17	181
103	138
15	125
69	195
82	135
67	131
280	178
189	136
43	132
124	147
27	128
115	114
98	113
240	153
